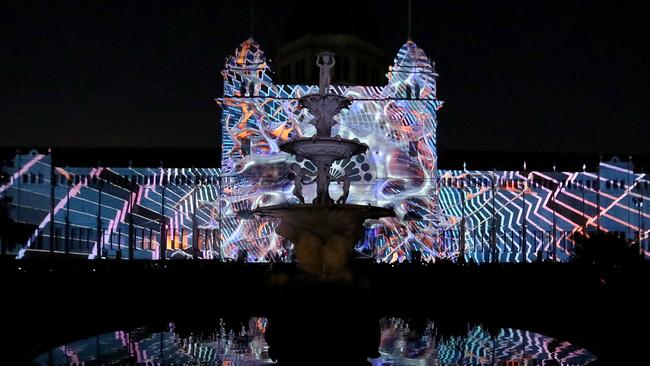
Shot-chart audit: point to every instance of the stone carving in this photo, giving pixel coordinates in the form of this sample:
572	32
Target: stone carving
323	233
324	108
346	189
325	62
298	181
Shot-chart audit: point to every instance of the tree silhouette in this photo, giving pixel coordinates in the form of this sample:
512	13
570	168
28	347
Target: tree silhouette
607	250
6	224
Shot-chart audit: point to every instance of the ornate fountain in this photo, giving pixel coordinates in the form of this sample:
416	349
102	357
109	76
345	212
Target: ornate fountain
323	232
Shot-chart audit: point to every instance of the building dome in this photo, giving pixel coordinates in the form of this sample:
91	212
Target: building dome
249	54
412	73
347	28
332	18
412	58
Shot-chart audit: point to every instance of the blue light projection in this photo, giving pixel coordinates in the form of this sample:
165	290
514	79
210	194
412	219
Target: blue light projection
152	213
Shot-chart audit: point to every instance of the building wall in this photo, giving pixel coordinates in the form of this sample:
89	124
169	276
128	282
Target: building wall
482	215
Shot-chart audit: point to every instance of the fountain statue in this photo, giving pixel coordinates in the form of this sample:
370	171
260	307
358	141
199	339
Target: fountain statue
325	62
323	232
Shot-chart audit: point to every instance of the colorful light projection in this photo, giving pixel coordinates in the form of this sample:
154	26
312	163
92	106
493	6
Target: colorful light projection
398	122
508	215
143	346
400	345
480	215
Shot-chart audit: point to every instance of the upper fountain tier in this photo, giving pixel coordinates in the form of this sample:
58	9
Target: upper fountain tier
324	107
321	147
323	233
324	149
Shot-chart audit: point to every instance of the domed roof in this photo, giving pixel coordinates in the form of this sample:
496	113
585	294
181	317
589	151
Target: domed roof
413	57
333	17
412	71
249	54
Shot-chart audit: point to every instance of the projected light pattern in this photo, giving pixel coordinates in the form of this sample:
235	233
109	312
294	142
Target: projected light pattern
545	209
480	215
398	122
103	207
143	346
400	347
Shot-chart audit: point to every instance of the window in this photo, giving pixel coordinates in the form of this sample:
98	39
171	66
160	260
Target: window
407	92
286	73
362	72
315	73
300	70
242	88
337	70
413	148
375	75
246	147
416	90
345	68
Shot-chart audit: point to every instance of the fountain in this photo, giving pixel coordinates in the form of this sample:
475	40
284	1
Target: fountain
323	232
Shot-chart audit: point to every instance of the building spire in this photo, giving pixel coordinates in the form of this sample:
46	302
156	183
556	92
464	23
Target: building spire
409	22
252	17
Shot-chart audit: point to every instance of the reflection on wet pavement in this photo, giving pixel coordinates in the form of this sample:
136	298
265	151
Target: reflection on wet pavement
473	345
403	342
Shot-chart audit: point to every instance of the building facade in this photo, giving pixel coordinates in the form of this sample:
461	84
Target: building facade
155	213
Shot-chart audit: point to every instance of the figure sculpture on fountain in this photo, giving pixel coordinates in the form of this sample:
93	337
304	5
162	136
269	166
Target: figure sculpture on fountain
346	189
298	181
323	179
323	232
325	62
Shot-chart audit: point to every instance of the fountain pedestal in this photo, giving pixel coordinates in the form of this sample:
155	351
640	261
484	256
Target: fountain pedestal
323	235
323	151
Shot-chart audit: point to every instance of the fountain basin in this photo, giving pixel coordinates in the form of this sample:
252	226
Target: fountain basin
324	149
325	104
323	235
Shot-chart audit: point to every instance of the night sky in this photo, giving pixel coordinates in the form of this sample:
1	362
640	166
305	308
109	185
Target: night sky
520	76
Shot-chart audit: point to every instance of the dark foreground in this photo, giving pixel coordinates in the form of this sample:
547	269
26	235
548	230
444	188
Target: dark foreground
48	303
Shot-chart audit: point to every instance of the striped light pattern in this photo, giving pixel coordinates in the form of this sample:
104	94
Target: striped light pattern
399	346
143	346
478	215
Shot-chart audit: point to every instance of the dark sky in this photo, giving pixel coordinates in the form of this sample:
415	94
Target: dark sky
535	76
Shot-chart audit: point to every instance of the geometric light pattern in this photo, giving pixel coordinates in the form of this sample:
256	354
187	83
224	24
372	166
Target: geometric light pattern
144	346
513	216
151	213
509	347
